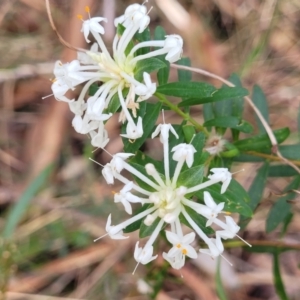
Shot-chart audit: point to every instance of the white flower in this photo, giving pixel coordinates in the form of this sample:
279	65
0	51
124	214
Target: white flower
176	262
184	152
181	244
212	209
143	255
164	129
173	44
84	125
113	231
125	197
166	200
230	230
92	25
99	139
133	131
215	248
77	107
223	175
145	91
85	58
59	90
134	14
108	174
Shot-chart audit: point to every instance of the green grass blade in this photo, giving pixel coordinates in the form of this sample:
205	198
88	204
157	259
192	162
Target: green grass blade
277	278
23	202
219	285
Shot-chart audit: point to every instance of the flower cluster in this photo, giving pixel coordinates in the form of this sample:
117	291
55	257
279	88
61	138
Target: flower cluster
115	72
166	196
166	200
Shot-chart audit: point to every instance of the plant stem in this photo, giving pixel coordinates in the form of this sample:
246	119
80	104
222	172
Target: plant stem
271	157
184	115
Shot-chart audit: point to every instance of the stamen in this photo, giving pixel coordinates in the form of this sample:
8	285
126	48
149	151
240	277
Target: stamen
192	139
238	171
80	17
226	260
87	9
100	237
163	115
107	152
244	241
135	268
96	162
47	96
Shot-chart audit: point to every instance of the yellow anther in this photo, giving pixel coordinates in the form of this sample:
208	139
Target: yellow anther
113	192
178	246
184	252
87	9
80	17
53	80
227	213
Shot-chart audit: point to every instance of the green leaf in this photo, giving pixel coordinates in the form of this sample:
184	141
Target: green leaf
256	190
141	37
208	112
282	171
236	198
191	177
198	219
282	208
290	151
259	99
242	157
261	142
189	132
237	102
230	122
221	94
19	208
298	123
186	89
93	89
286	223
149	120
277	278
258	185
184	75
220	289
198	143
163	73
147	230
137	224
147	65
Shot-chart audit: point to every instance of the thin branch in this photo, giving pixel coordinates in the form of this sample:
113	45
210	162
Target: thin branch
65	43
248	99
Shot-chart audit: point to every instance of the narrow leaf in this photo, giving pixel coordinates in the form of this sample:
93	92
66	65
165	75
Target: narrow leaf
220	288
282	207
221	94
19	208
259	99
147	65
186	89
277	278
290	151
262	141
184	75
256	190
230	122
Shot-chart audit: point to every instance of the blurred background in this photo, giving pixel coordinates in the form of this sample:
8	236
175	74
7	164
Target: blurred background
52	253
